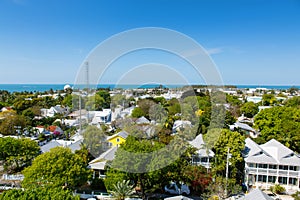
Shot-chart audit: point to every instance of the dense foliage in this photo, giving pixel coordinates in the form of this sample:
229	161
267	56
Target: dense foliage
58	167
17	153
39	194
280	123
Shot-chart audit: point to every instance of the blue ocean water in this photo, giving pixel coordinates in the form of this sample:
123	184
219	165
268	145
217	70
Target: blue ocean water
46	87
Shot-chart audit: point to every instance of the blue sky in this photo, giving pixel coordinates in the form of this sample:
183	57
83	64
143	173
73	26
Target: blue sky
251	41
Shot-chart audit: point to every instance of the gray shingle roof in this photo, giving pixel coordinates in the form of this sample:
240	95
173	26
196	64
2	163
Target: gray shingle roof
257	194
122	134
244	126
75	146
272	152
49	146
197	142
142	120
99	163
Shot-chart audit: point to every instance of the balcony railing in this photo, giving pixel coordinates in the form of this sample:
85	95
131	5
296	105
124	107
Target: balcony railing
273	172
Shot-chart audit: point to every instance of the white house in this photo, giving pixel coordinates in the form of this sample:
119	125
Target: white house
271	163
54	110
204	155
103	116
98	164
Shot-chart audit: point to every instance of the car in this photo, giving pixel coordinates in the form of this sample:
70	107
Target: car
174	188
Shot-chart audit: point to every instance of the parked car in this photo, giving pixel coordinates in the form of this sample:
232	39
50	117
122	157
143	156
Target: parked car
174	188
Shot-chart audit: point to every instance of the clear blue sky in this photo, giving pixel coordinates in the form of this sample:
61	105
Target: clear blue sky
251	41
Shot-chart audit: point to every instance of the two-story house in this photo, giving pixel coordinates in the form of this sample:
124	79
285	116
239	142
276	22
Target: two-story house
271	163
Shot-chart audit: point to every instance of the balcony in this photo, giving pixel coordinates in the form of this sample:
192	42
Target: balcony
273	172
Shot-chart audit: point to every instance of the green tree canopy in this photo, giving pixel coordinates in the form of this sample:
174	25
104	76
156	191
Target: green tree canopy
280	123
235	142
13	123
17	153
137	112
93	139
293	102
249	109
39	194
56	168
269	99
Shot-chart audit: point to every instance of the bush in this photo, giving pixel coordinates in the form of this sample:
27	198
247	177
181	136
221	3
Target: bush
278	189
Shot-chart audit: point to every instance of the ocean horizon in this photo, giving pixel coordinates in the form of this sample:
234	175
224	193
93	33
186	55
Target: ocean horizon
47	87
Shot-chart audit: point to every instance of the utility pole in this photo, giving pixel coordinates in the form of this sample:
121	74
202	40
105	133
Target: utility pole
227	169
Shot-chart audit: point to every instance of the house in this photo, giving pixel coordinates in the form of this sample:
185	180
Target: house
271	163
203	155
53	111
103	116
50	145
117	139
248	130
142	120
99	163
55	130
180	124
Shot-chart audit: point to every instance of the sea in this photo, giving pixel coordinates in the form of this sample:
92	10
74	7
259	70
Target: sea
54	87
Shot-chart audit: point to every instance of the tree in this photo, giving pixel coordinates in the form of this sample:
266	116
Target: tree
269	100
39	194
221	188
68	100
104	99
17	153
151	164
93	139
197	177
137	112
280	123
122	190
293	90
293	102
113	176
249	109
235	142
13	123
145	105
56	168
119	99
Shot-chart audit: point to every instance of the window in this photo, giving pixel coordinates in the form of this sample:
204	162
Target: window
283	167
262	178
272	179
118	139
293	181
252	165
282	180
293	168
265	166
272	166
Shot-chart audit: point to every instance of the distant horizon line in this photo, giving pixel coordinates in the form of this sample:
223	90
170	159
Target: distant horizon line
227	84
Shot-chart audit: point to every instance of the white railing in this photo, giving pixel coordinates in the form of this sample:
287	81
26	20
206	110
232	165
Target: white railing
273	172
12	177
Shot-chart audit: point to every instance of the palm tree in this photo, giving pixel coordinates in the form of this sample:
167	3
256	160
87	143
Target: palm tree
122	190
